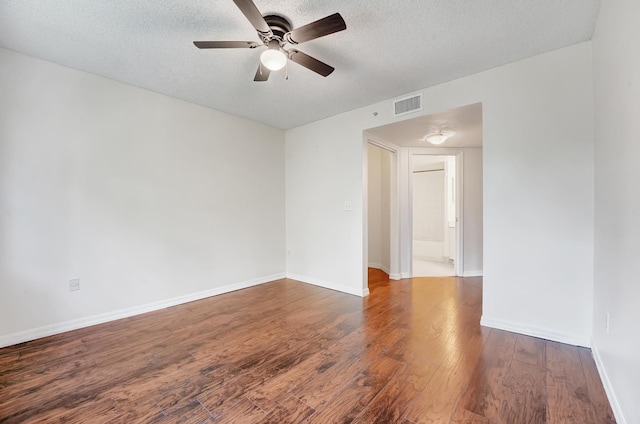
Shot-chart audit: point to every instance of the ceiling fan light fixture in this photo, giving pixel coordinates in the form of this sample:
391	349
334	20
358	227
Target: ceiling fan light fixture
274	31
437	138
273	59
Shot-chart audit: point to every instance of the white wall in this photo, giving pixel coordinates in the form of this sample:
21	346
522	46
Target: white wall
473	212
538	192
616	45
379	254
385	210
324	242
428	214
148	200
374	194
450	237
538	170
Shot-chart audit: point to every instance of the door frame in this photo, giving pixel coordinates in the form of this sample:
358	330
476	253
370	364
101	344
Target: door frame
458	154
394	213
401	213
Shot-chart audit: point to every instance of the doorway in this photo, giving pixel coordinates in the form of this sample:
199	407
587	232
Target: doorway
380	167
406	139
434	239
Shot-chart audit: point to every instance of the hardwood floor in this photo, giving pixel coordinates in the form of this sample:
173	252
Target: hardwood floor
288	352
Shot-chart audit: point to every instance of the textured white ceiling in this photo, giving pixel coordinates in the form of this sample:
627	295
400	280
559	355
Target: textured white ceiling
389	48
463	124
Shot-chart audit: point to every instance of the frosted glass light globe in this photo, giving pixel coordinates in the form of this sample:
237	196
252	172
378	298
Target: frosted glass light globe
273	59
437	138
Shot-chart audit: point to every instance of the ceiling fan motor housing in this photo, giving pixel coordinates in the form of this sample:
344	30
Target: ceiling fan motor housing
279	26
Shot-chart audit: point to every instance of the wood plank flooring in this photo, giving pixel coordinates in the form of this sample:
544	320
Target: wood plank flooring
287	352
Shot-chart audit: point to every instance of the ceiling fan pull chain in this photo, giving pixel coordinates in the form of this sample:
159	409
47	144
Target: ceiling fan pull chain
286	71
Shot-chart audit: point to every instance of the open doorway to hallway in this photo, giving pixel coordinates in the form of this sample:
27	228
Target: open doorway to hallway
379	165
434	238
405	140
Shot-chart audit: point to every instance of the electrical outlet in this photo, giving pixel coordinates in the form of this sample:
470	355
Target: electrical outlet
607	323
74	284
348	206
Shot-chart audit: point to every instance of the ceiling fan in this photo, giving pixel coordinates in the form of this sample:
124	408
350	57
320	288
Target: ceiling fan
275	32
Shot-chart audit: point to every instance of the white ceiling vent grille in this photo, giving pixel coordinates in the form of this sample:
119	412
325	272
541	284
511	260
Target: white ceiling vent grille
406	105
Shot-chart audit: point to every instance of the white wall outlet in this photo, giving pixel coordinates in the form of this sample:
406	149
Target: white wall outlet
74	284
607	323
348	206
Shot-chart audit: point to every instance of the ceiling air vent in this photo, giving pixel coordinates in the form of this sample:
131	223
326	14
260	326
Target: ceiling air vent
406	105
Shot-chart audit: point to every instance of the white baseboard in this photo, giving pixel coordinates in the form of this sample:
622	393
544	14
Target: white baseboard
608	387
528	330
406	275
397	276
380	266
472	273
328	285
49	330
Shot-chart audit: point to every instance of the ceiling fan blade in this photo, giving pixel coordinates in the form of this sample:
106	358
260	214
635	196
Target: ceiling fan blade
249	9
310	63
262	74
226	44
317	29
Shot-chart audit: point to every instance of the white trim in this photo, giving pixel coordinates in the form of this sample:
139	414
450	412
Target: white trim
528	330
608	387
49	330
365	212
382	145
380	267
472	274
459	263
406	275
396	276
327	285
